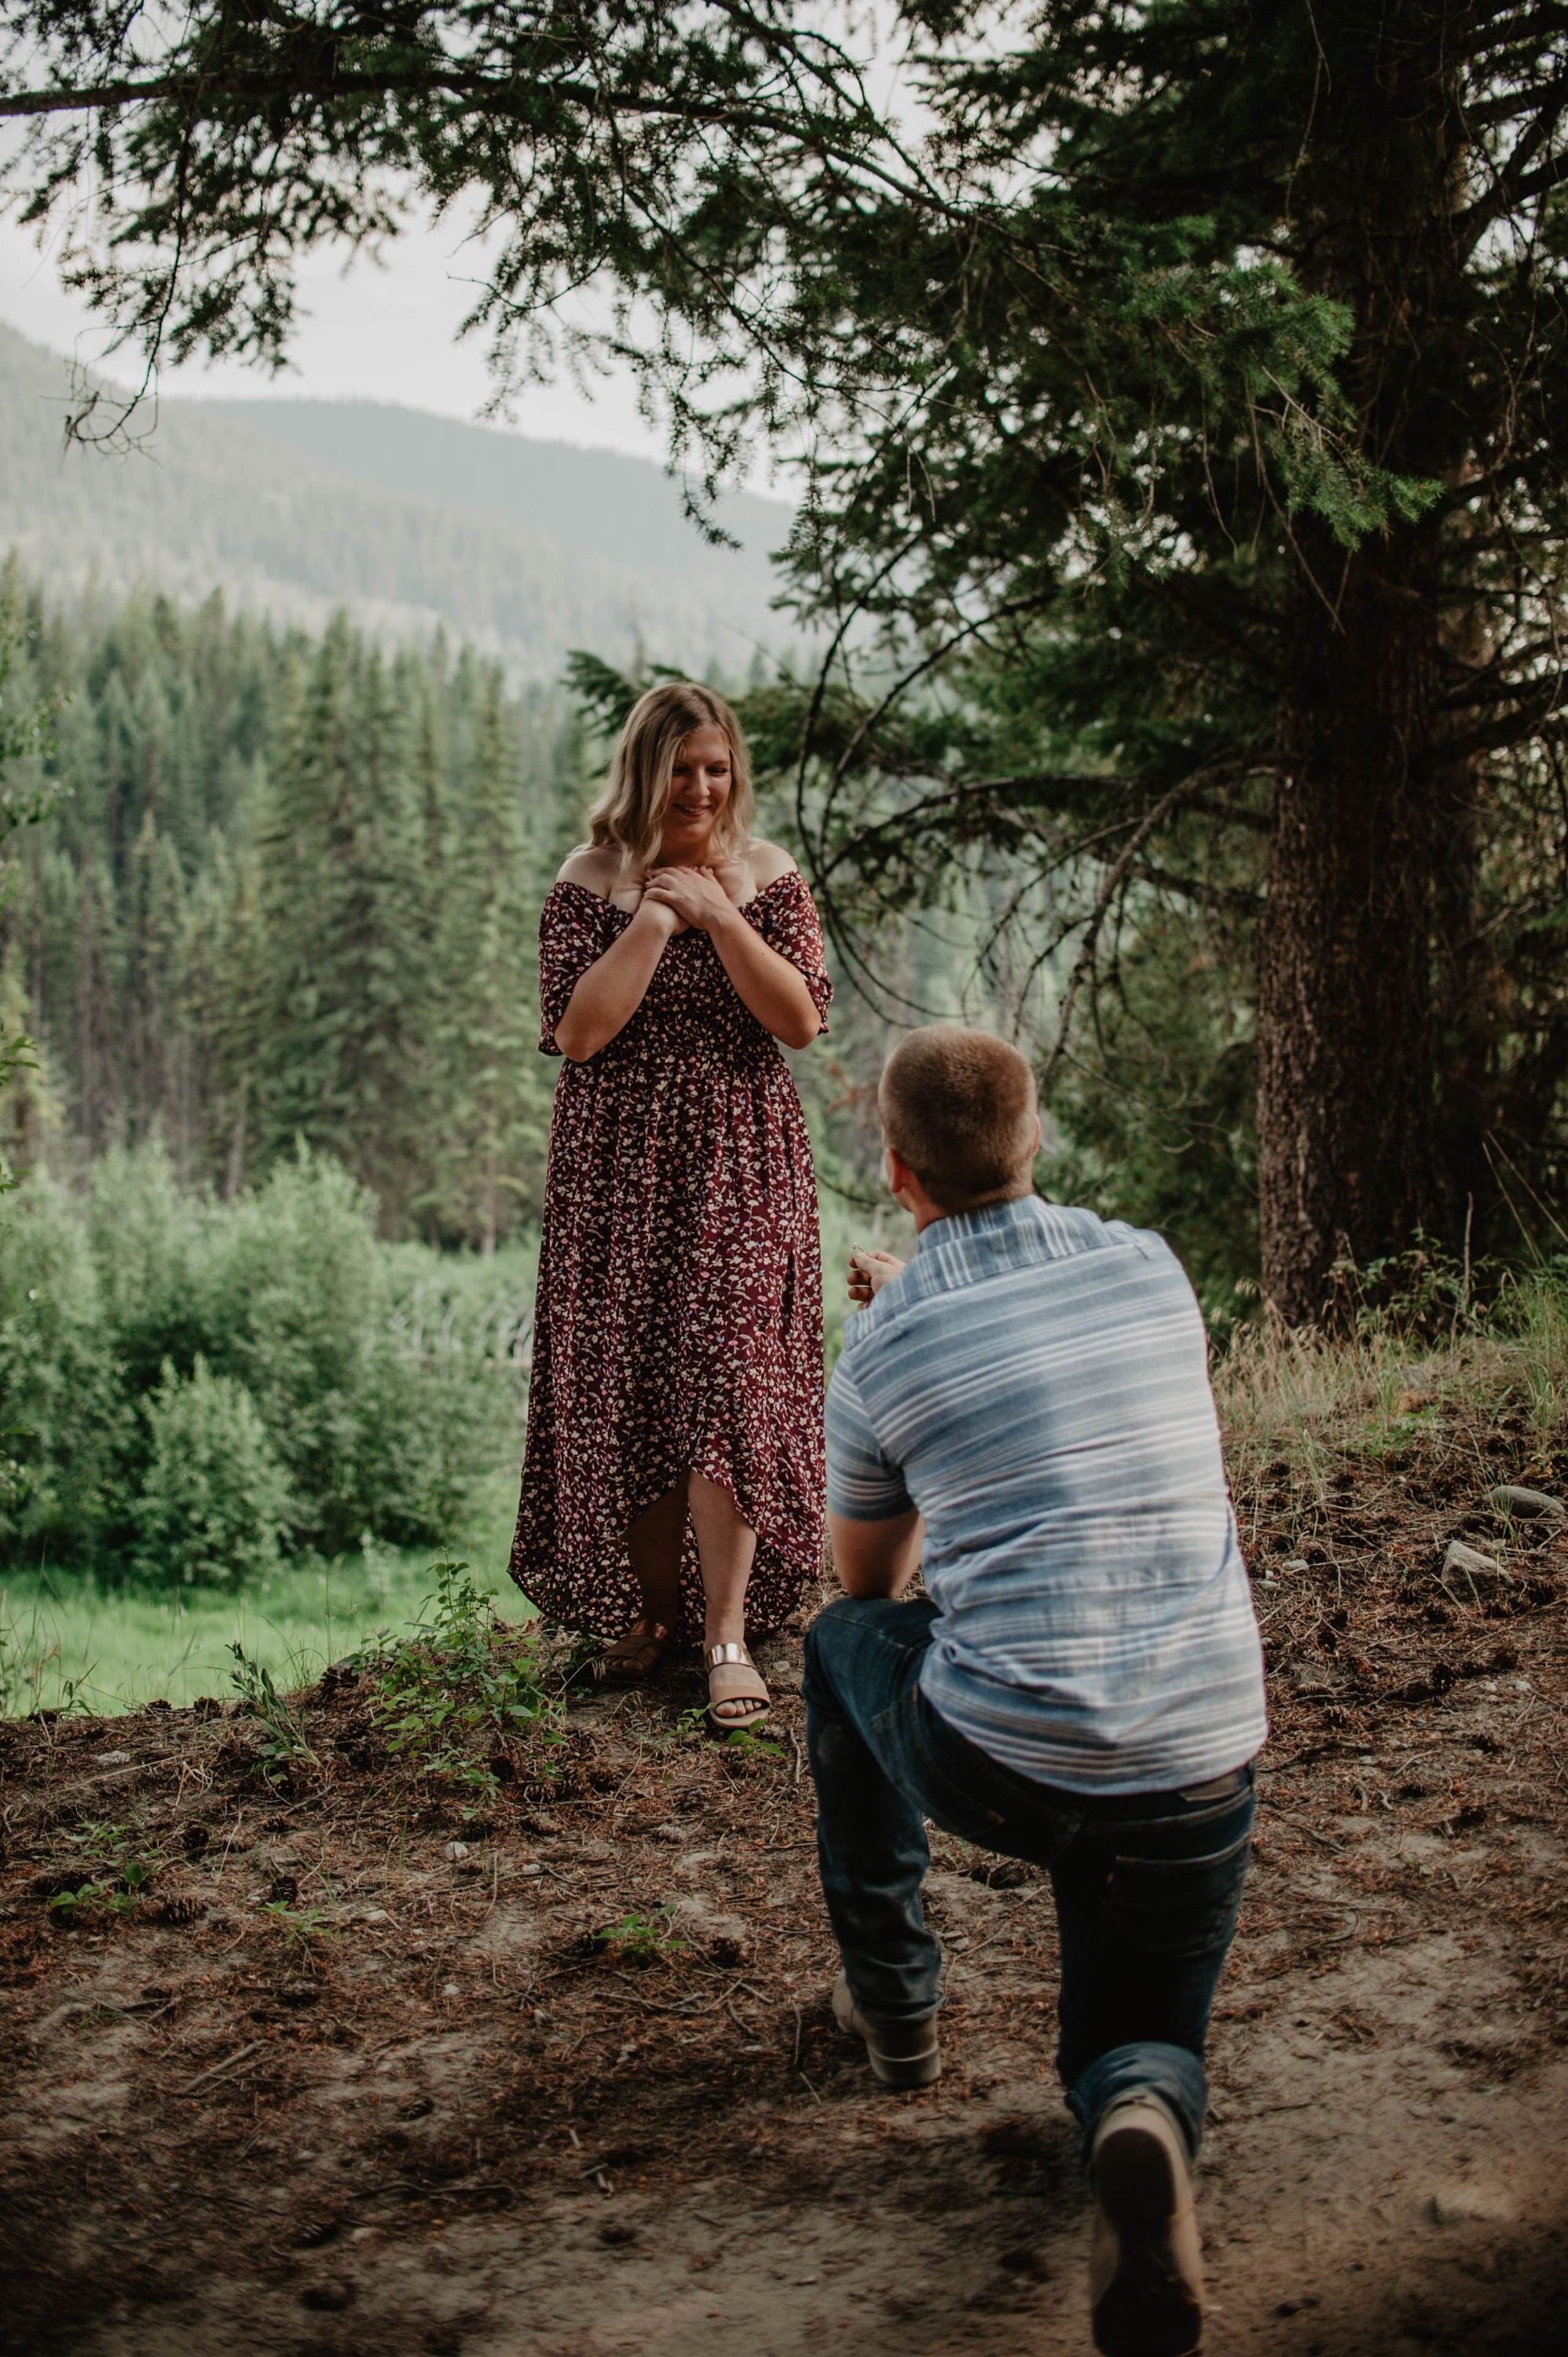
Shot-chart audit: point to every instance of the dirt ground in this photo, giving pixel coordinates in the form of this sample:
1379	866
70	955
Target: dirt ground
423	2104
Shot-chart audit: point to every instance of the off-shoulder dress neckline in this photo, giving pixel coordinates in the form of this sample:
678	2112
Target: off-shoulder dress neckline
565	884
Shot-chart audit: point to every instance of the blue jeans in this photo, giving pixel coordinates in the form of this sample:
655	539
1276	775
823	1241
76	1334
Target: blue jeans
1147	1884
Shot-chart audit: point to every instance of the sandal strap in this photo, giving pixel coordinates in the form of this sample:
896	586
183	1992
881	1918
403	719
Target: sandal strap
643	1632
718	1656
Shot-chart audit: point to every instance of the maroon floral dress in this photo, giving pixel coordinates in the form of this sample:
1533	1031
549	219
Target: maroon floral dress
679	1307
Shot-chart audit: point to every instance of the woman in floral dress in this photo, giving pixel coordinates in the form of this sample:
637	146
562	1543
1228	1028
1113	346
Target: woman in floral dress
673	1468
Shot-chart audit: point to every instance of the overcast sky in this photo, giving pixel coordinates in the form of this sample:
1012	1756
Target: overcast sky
376	334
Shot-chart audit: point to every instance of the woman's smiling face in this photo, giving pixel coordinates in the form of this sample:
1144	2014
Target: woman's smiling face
699	788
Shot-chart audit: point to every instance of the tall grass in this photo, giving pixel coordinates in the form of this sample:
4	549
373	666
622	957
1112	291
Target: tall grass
1427	1367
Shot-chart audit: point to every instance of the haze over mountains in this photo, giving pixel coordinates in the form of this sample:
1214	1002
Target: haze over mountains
525	549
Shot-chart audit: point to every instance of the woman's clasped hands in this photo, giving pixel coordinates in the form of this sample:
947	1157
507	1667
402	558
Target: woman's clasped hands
697	898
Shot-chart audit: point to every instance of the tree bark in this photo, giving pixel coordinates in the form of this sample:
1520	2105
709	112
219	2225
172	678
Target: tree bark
1347	1166
1350	1002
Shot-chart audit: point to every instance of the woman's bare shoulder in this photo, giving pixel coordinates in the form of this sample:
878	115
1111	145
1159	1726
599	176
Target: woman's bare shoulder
593	865
768	862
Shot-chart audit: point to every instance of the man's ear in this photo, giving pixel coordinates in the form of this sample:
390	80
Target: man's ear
897	1172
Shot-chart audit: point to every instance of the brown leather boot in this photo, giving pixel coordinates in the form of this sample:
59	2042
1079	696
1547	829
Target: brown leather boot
1145	2273
905	2057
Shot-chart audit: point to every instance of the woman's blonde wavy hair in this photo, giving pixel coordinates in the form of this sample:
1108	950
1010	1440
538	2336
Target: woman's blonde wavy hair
629	813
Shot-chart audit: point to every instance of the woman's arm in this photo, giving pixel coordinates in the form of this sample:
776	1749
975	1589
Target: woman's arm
614	987
774	990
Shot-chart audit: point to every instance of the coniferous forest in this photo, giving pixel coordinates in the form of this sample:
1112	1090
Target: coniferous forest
288	895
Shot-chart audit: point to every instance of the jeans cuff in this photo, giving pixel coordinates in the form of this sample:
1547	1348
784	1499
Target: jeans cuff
1148	2067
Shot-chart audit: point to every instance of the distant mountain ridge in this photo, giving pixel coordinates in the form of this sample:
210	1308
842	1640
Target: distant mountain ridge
521	548
602	502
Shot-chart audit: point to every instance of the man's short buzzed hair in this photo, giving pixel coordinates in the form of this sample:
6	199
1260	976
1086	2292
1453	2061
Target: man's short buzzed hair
958	1107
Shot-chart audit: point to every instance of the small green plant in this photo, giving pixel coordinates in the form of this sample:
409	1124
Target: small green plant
458	1675
120	1872
741	1743
284	1744
639	1939
738	1741
303	1928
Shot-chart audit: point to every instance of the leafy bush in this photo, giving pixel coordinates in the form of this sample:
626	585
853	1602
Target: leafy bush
299	1302
68	1427
214	1500
146	1233
179	1378
294	1298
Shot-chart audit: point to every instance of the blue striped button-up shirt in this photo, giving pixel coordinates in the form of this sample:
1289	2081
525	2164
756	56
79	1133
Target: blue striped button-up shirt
1036	1382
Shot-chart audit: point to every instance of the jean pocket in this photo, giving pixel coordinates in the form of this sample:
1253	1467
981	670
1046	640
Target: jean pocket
1183	1905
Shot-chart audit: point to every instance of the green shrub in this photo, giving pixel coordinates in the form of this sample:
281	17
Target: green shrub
459	1677
146	1233
298	1304
379	1384
294	1304
69	1432
214	1498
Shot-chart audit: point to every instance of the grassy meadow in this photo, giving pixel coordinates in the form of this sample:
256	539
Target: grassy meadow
67	1638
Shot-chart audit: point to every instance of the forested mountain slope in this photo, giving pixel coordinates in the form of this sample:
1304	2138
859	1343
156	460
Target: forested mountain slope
298	526
599	502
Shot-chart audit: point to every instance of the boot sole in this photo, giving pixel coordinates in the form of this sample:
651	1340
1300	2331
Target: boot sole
1148	2309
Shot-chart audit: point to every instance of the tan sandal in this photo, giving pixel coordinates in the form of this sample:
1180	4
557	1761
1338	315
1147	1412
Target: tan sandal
719	1658
635	1654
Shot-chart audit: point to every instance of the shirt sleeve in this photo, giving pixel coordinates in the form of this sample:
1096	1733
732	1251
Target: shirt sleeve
863	1484
570	939
788	921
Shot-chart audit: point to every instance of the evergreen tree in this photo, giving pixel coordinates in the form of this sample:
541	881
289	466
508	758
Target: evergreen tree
222	959
291	894
1206	517
156	1094
495	1109
1186	384
338	1053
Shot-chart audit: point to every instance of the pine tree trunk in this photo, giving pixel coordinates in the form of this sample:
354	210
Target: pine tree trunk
1347	1165
1354	988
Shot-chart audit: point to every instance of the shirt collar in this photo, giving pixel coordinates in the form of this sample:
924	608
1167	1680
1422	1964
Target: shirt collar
991	1219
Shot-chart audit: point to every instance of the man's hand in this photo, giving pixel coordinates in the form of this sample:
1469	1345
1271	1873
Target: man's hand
869	1272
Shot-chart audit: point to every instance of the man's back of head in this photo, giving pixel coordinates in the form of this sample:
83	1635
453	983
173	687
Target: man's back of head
958	1110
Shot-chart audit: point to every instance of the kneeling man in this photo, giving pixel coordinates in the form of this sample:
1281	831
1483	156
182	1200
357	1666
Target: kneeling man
1023	1414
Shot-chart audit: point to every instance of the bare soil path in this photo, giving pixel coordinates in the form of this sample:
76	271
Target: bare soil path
329	2088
